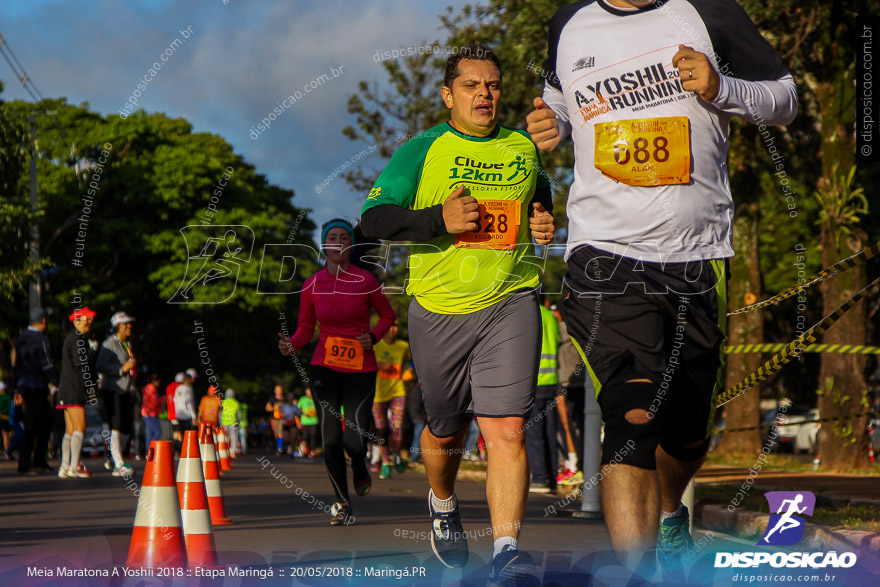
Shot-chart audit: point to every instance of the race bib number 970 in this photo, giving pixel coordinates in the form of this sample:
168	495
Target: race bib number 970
645	151
343	352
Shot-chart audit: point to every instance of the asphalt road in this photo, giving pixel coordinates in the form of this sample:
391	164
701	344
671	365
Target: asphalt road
50	524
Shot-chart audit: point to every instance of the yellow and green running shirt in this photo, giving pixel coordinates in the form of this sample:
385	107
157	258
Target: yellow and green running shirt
460	274
389	381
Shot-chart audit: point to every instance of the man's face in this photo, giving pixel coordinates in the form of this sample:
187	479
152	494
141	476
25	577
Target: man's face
279	392
475	97
125	331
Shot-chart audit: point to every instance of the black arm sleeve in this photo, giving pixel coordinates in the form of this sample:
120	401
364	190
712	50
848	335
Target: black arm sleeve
741	51
392	222
545	197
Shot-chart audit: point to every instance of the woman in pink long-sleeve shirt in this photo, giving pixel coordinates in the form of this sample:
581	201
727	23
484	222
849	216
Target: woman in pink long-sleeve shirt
343	371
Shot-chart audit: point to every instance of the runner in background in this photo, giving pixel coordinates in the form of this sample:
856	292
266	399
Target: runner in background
230	419
392	357
309	422
273	406
343	369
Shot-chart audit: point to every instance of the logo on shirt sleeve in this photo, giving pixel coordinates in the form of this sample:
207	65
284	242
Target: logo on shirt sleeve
375	193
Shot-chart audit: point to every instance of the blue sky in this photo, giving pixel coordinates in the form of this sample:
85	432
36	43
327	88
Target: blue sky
240	61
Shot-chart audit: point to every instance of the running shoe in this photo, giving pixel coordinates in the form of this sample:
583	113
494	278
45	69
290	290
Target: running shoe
340	513
385	472
674	541
108	464
574	479
399	464
79	471
540	488
375	467
123	471
62	472
362	485
514	568
564	474
448	540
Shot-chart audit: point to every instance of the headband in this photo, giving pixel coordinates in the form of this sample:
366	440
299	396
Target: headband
336	224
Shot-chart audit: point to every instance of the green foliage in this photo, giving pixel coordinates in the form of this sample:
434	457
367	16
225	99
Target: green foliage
125	188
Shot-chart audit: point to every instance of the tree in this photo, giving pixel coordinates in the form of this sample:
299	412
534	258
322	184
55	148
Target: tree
118	192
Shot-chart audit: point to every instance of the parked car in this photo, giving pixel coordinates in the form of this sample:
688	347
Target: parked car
95	427
796	435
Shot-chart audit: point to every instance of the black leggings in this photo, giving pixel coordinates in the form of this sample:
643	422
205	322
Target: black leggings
120	410
353	391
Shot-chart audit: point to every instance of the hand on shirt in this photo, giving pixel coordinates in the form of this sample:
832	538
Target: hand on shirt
541	224
365	340
460	213
705	81
542	126
284	345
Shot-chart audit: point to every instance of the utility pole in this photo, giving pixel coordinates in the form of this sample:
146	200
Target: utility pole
35	290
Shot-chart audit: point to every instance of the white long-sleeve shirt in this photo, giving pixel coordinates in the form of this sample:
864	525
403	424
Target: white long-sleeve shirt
657	187
183	403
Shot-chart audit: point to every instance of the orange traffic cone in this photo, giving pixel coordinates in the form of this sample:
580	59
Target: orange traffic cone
225	462
157	539
197	531
212	479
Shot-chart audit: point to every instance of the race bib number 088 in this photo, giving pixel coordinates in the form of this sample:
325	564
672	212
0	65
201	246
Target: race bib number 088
645	151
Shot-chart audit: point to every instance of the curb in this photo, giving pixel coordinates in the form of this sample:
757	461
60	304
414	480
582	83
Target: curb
866	545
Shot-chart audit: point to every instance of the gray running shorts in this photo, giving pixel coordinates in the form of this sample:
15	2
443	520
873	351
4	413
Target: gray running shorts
480	364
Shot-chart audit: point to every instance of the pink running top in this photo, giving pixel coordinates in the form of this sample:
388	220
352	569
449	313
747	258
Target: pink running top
341	305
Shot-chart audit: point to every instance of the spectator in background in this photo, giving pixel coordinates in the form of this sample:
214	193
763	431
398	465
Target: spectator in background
35	378
172	413
309	422
273	406
243	426
541	434
118	366
183	405
230	419
572	380
77	388
415	409
5	425
150	408
209	408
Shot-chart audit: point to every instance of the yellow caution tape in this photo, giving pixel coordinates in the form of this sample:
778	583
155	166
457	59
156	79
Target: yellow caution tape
794	348
836	269
773	347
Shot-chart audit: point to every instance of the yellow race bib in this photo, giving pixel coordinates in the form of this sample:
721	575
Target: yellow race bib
645	151
497	228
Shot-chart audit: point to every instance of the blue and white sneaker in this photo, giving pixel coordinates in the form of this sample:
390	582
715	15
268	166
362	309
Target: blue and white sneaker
514	568
448	540
674	541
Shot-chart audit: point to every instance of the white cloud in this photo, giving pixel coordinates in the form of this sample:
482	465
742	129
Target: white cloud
240	62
